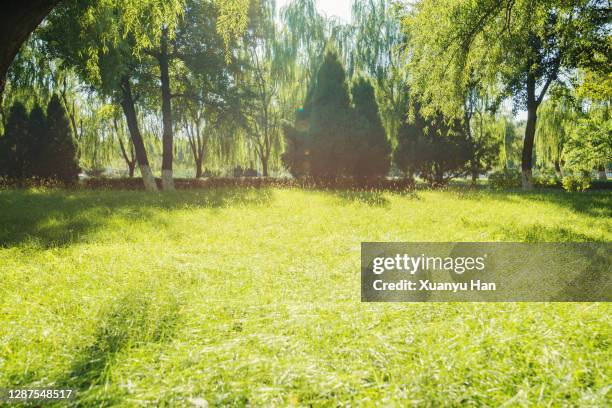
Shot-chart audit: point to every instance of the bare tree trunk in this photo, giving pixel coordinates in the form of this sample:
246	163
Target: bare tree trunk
167	138
17	21
264	166
601	172
438	175
127	103
475	172
199	171
526	164
130	162
530	129
558	170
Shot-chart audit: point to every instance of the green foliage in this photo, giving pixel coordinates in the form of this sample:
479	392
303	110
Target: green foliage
372	145
333	138
38	145
38	129
546	178
555	122
596	86
375	49
573	183
461	59
590	144
296	155
17	145
330	122
510	49
491	41
505	179
59	159
406	155
435	148
326	120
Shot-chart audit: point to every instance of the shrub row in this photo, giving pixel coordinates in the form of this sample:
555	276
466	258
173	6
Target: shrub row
255	182
510	178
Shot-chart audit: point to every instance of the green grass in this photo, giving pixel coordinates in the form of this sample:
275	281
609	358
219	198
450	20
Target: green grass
251	297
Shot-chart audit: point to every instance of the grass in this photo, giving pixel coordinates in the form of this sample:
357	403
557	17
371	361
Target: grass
251	297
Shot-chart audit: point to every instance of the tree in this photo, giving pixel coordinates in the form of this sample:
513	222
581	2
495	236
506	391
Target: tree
163	57
377	47
374	147
334	138
435	147
554	122
39	146
407	156
127	152
205	81
37	138
110	66
14	145
523	45
590	144
59	159
327	116
106	40
18	20
330	121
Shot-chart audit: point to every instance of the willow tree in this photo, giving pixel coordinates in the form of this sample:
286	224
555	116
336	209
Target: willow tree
589	145
555	122
94	40
155	29
204	80
304	37
267	69
107	41
17	21
522	45
377	51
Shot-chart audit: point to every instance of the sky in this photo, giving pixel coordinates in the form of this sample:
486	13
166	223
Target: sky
338	8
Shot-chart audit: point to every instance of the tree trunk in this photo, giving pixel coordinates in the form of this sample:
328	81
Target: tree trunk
530	129
167	138
438	175
198	163
130	162
17	21
127	103
475	172
264	166
601	172
558	170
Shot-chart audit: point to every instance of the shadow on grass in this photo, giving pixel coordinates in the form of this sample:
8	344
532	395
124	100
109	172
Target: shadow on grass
532	233
133	321
593	281
372	198
541	233
59	218
594	204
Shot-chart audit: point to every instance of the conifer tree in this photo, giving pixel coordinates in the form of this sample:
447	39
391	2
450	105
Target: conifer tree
435	148
371	139
60	160
12	152
34	145
406	154
330	120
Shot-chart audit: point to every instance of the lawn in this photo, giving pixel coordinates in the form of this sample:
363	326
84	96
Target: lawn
251	297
